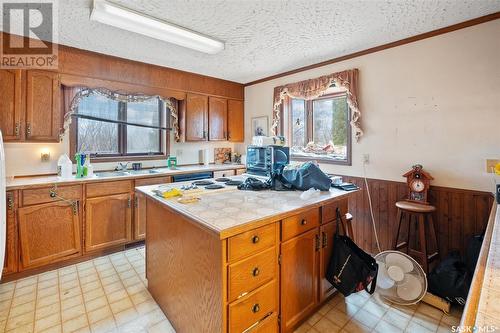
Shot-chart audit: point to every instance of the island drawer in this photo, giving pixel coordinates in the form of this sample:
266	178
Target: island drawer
297	224
266	325
252	308
250	273
251	242
153	181
329	211
109	188
43	195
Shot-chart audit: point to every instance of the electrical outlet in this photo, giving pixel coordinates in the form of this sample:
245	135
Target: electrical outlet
179	152
490	165
366	158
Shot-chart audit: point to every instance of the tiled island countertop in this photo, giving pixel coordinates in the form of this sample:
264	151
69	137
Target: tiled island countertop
231	211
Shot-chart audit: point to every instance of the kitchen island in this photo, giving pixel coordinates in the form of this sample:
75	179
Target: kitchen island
240	260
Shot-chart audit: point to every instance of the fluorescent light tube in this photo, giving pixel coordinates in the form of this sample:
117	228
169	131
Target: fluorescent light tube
117	16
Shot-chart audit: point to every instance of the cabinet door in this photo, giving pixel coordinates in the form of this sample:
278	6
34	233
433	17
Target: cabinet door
299	278
196	117
11	115
49	233
235	121
327	232
217	119
11	250
108	221
43	114
139	216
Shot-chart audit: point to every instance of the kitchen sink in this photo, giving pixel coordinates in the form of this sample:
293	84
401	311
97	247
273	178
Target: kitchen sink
143	172
112	174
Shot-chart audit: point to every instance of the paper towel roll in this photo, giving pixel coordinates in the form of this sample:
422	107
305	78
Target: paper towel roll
204	156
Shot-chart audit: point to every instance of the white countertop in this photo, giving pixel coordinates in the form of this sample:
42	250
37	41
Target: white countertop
225	209
488	311
21	182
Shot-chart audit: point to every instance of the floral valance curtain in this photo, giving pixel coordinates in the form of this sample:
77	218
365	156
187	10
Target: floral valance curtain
73	96
313	88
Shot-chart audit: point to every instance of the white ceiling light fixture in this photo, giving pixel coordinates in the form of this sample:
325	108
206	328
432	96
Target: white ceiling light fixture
120	17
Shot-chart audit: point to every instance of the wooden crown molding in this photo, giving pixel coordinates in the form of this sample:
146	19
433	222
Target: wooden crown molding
429	34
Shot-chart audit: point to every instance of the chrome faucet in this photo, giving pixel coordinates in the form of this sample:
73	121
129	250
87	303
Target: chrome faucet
122	166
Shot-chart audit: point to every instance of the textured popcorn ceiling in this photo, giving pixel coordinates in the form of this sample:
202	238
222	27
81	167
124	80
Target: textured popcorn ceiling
265	37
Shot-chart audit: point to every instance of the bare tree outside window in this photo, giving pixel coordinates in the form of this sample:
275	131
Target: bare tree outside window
108	139
320	129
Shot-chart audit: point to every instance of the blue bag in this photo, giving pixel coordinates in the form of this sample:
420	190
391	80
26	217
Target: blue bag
307	176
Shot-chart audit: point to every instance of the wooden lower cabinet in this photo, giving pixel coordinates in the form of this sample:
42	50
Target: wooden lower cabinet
139	216
325	288
11	250
108	221
49	233
299	278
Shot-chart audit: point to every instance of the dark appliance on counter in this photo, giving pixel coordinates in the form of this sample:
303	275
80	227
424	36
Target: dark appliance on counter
498	194
192	176
263	161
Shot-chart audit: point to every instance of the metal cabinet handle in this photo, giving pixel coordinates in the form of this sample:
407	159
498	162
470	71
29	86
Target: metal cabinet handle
303	222
325	240
255	308
136	202
256	271
74	206
204	134
255	239
17	130
28	129
317	242
10	202
129	202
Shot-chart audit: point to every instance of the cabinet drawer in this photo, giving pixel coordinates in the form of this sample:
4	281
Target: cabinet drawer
252	308
42	195
248	274
109	188
153	181
266	325
225	173
251	242
329	211
297	224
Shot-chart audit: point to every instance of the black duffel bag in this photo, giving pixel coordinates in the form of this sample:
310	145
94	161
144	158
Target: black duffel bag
306	176
451	279
350	269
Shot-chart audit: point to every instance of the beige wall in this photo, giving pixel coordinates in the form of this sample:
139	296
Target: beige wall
434	102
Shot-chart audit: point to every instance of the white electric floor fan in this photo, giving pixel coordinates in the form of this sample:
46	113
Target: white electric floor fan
401	280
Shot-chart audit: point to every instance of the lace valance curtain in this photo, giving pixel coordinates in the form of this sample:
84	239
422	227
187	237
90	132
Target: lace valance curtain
313	88
74	95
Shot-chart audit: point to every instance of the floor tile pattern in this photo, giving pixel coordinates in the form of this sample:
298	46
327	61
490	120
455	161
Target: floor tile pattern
109	294
364	313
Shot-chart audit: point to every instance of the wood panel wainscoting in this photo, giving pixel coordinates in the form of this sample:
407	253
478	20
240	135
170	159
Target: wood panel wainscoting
459	215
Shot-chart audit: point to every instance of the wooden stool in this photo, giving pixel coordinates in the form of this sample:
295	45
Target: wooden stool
421	216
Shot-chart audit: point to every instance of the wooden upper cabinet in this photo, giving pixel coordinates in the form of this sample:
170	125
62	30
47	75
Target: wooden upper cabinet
196	117
43	113
108	221
235	121
299	278
217	119
49	233
325	288
11	245
11	104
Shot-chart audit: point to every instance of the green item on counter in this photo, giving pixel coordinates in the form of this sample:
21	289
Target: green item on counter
80	161
172	162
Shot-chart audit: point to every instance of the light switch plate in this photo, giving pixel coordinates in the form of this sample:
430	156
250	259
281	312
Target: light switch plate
490	165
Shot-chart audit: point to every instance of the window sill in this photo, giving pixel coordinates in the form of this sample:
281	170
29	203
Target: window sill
319	159
130	158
